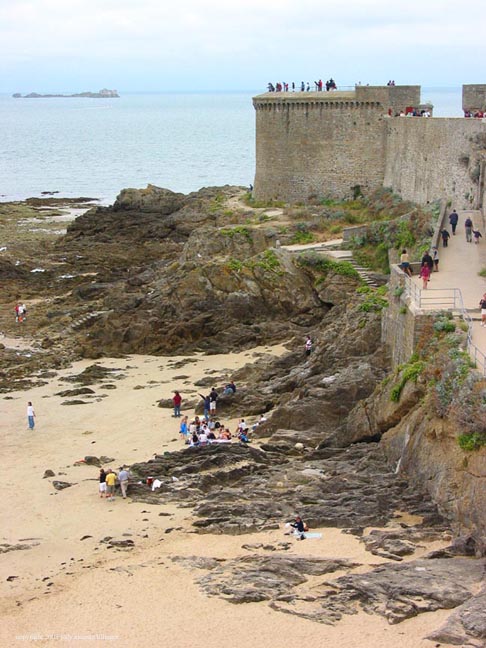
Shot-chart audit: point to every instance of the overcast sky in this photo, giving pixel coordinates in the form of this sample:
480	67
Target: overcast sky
74	45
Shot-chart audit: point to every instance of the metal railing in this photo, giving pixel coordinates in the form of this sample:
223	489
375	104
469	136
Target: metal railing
445	299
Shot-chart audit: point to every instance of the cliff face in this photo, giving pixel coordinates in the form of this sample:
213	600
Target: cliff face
423	448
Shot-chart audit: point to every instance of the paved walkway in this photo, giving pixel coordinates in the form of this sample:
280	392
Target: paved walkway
459	265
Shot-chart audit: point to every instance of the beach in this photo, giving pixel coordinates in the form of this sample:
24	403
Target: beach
62	584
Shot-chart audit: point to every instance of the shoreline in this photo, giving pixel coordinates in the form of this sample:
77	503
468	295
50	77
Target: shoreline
68	583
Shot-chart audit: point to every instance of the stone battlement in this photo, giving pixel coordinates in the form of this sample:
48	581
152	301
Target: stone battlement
315	144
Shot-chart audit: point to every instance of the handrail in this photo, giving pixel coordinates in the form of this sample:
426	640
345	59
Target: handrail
451	301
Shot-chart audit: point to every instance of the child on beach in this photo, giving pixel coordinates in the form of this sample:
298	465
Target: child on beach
477	235
425	275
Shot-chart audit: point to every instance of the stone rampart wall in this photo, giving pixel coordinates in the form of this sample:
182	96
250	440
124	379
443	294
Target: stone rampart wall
402	326
317	148
430	159
474	97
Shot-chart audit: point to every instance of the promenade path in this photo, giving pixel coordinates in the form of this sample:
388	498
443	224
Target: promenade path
459	265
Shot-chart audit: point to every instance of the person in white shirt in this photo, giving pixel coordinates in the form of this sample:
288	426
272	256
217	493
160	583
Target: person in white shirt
30	415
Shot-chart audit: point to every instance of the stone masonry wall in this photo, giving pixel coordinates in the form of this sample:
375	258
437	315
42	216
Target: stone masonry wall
402	328
474	97
318	148
430	159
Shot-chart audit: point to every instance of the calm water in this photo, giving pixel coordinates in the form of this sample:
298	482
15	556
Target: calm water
95	147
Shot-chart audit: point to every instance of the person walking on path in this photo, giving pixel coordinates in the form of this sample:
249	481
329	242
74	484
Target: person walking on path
425	275
468	224
445	237
427	260
30	415
477	235
435	258
177	400
453	220
482	306
123	476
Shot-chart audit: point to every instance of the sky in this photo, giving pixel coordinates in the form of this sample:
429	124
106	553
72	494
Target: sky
208	45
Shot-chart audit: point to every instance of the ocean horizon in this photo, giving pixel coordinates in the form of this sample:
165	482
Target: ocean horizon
97	147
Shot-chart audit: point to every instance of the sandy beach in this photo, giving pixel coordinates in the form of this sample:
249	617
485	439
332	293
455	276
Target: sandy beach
61	584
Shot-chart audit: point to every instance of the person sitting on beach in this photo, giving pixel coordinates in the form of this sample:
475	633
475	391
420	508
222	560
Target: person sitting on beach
194	439
203	437
243	437
211	436
225	434
261	420
299	527
242	426
230	388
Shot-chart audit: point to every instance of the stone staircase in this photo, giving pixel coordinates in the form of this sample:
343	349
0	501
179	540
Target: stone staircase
331	250
87	319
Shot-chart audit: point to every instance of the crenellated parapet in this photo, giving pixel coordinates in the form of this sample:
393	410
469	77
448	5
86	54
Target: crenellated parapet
326	144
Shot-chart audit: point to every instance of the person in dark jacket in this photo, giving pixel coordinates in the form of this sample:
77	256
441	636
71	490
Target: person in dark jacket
453	220
427	260
207	402
445	237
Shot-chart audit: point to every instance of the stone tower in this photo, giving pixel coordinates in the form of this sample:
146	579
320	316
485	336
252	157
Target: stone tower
325	143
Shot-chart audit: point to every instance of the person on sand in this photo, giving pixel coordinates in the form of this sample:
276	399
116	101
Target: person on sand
177	400
299	527
213	397
482	306
30	415
110	480
123	477
184	428
206	405
102	486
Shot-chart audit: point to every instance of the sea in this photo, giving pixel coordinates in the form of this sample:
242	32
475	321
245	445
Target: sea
96	147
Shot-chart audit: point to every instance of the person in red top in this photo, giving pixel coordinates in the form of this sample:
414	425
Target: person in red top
177	400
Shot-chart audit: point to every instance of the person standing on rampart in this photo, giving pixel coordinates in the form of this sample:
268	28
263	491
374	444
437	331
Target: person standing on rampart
453	220
468	224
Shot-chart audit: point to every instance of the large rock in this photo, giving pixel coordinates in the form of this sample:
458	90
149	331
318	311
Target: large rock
151	199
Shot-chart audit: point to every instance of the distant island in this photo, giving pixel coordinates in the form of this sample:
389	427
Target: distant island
102	94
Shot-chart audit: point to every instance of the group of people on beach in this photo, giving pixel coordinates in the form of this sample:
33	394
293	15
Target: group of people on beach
107	482
20	313
318	86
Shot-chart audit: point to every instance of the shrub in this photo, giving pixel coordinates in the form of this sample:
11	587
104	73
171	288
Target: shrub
470	442
410	371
